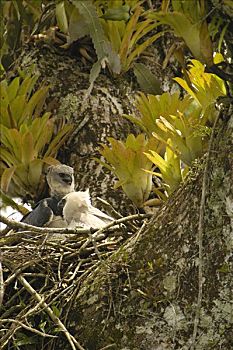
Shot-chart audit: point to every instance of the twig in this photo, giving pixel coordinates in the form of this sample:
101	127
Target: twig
135	238
59	265
21	225
9	334
19	270
92	239
76	270
108	346
14	326
113	211
123	220
200	237
1	281
27	327
43	300
73	342
113	225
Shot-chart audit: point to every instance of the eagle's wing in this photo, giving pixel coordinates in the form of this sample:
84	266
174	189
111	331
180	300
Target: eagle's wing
43	213
40	215
96	212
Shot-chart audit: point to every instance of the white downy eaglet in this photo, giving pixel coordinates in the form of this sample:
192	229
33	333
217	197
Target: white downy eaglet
78	211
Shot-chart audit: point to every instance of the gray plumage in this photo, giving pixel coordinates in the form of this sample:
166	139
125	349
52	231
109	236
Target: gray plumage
60	179
78	211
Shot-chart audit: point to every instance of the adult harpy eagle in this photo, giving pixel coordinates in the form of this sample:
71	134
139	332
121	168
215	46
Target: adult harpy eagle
60	179
78	211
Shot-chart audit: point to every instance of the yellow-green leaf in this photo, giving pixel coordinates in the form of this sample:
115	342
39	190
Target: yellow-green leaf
27	85
35	172
58	140
61	17
6	178
17	108
142	48
36	100
7	201
28	152
13	89
206	46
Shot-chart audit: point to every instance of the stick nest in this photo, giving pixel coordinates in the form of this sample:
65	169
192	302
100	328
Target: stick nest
41	274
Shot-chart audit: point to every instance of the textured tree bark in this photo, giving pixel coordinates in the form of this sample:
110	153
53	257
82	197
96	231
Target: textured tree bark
94	118
145	296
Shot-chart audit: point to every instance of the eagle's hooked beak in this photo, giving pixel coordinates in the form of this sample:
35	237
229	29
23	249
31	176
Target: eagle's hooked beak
61	203
67	178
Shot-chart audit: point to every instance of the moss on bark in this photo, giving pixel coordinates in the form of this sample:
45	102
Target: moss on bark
145	295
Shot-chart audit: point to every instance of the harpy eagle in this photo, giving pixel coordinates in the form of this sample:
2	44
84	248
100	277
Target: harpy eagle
60	179
78	211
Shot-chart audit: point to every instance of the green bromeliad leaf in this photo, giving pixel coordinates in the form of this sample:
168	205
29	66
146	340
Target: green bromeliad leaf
24	152
27	137
102	45
188	22
61	16
151	107
128	161
149	84
169	166
206	87
18	103
6	201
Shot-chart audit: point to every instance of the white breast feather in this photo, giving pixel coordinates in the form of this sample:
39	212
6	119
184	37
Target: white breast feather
78	211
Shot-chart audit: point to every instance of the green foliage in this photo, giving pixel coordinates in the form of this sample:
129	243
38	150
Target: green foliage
18	104
167	116
174	122
102	46
61	16
187	20
153	107
116	11
128	162
79	19
6	201
127	37
169	166
116	29
28	141
70	21
216	26
22	340
19	19
204	87
120	30
187	144
179	125
147	80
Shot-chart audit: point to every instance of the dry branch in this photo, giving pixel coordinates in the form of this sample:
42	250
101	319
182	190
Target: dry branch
51	272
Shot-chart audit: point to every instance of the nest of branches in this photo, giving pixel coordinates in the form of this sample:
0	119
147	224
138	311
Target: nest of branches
40	276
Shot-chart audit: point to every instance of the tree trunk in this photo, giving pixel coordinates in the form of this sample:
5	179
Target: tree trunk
173	275
94	118
170	285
